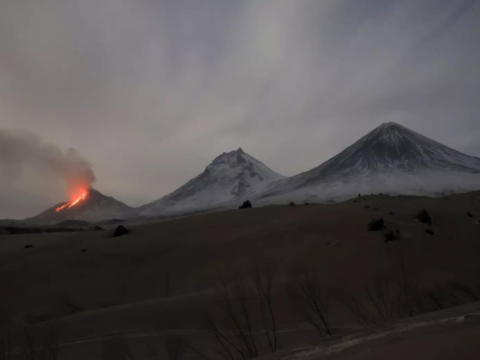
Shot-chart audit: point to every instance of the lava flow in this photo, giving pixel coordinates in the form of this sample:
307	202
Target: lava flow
73	202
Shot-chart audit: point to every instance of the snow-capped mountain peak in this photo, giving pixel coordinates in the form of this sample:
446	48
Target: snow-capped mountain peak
394	146
230	176
389	159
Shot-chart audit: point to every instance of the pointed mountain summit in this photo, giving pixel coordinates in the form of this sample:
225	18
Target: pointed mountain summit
95	207
390	159
393	146
230	176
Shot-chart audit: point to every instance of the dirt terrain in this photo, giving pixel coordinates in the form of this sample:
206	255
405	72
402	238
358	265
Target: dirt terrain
448	334
165	277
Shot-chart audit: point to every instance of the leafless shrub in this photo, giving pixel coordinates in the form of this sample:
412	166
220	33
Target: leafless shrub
175	346
228	347
408	286
194	350
5	338
400	294
240	341
116	349
465	290
42	346
263	277
167	284
392	296
69	304
437	299
383	295
356	305
153	353
311	298
5	347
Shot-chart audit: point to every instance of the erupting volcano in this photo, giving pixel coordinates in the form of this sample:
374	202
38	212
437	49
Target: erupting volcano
86	204
74	201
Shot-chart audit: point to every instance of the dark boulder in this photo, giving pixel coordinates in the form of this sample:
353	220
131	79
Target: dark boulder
424	217
390	213
366	207
469	214
83	250
429	232
28	246
376	224
120	230
246	205
392	236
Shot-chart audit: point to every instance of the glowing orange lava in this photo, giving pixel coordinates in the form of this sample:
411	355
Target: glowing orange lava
73	202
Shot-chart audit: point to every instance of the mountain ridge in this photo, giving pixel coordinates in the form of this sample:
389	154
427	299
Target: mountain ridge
390	159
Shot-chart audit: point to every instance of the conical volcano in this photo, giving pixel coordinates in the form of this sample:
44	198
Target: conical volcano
390	159
94	206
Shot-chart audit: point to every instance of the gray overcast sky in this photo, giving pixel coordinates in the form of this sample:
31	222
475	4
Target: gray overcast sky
150	91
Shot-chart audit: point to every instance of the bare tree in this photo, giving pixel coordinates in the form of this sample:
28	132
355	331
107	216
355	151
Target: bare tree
48	347
312	299
263	278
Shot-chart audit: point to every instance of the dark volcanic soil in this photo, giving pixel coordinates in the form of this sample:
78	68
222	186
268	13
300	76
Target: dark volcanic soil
120	284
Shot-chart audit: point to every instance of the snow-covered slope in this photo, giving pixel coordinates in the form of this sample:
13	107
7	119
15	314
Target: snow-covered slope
390	159
95	207
230	177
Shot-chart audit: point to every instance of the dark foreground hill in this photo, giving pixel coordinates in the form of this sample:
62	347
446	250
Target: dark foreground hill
166	277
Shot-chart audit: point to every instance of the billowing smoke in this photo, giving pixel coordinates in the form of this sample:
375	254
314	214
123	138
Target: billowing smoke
28	166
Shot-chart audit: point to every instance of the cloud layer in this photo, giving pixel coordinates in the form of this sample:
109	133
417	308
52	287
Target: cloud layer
151	91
